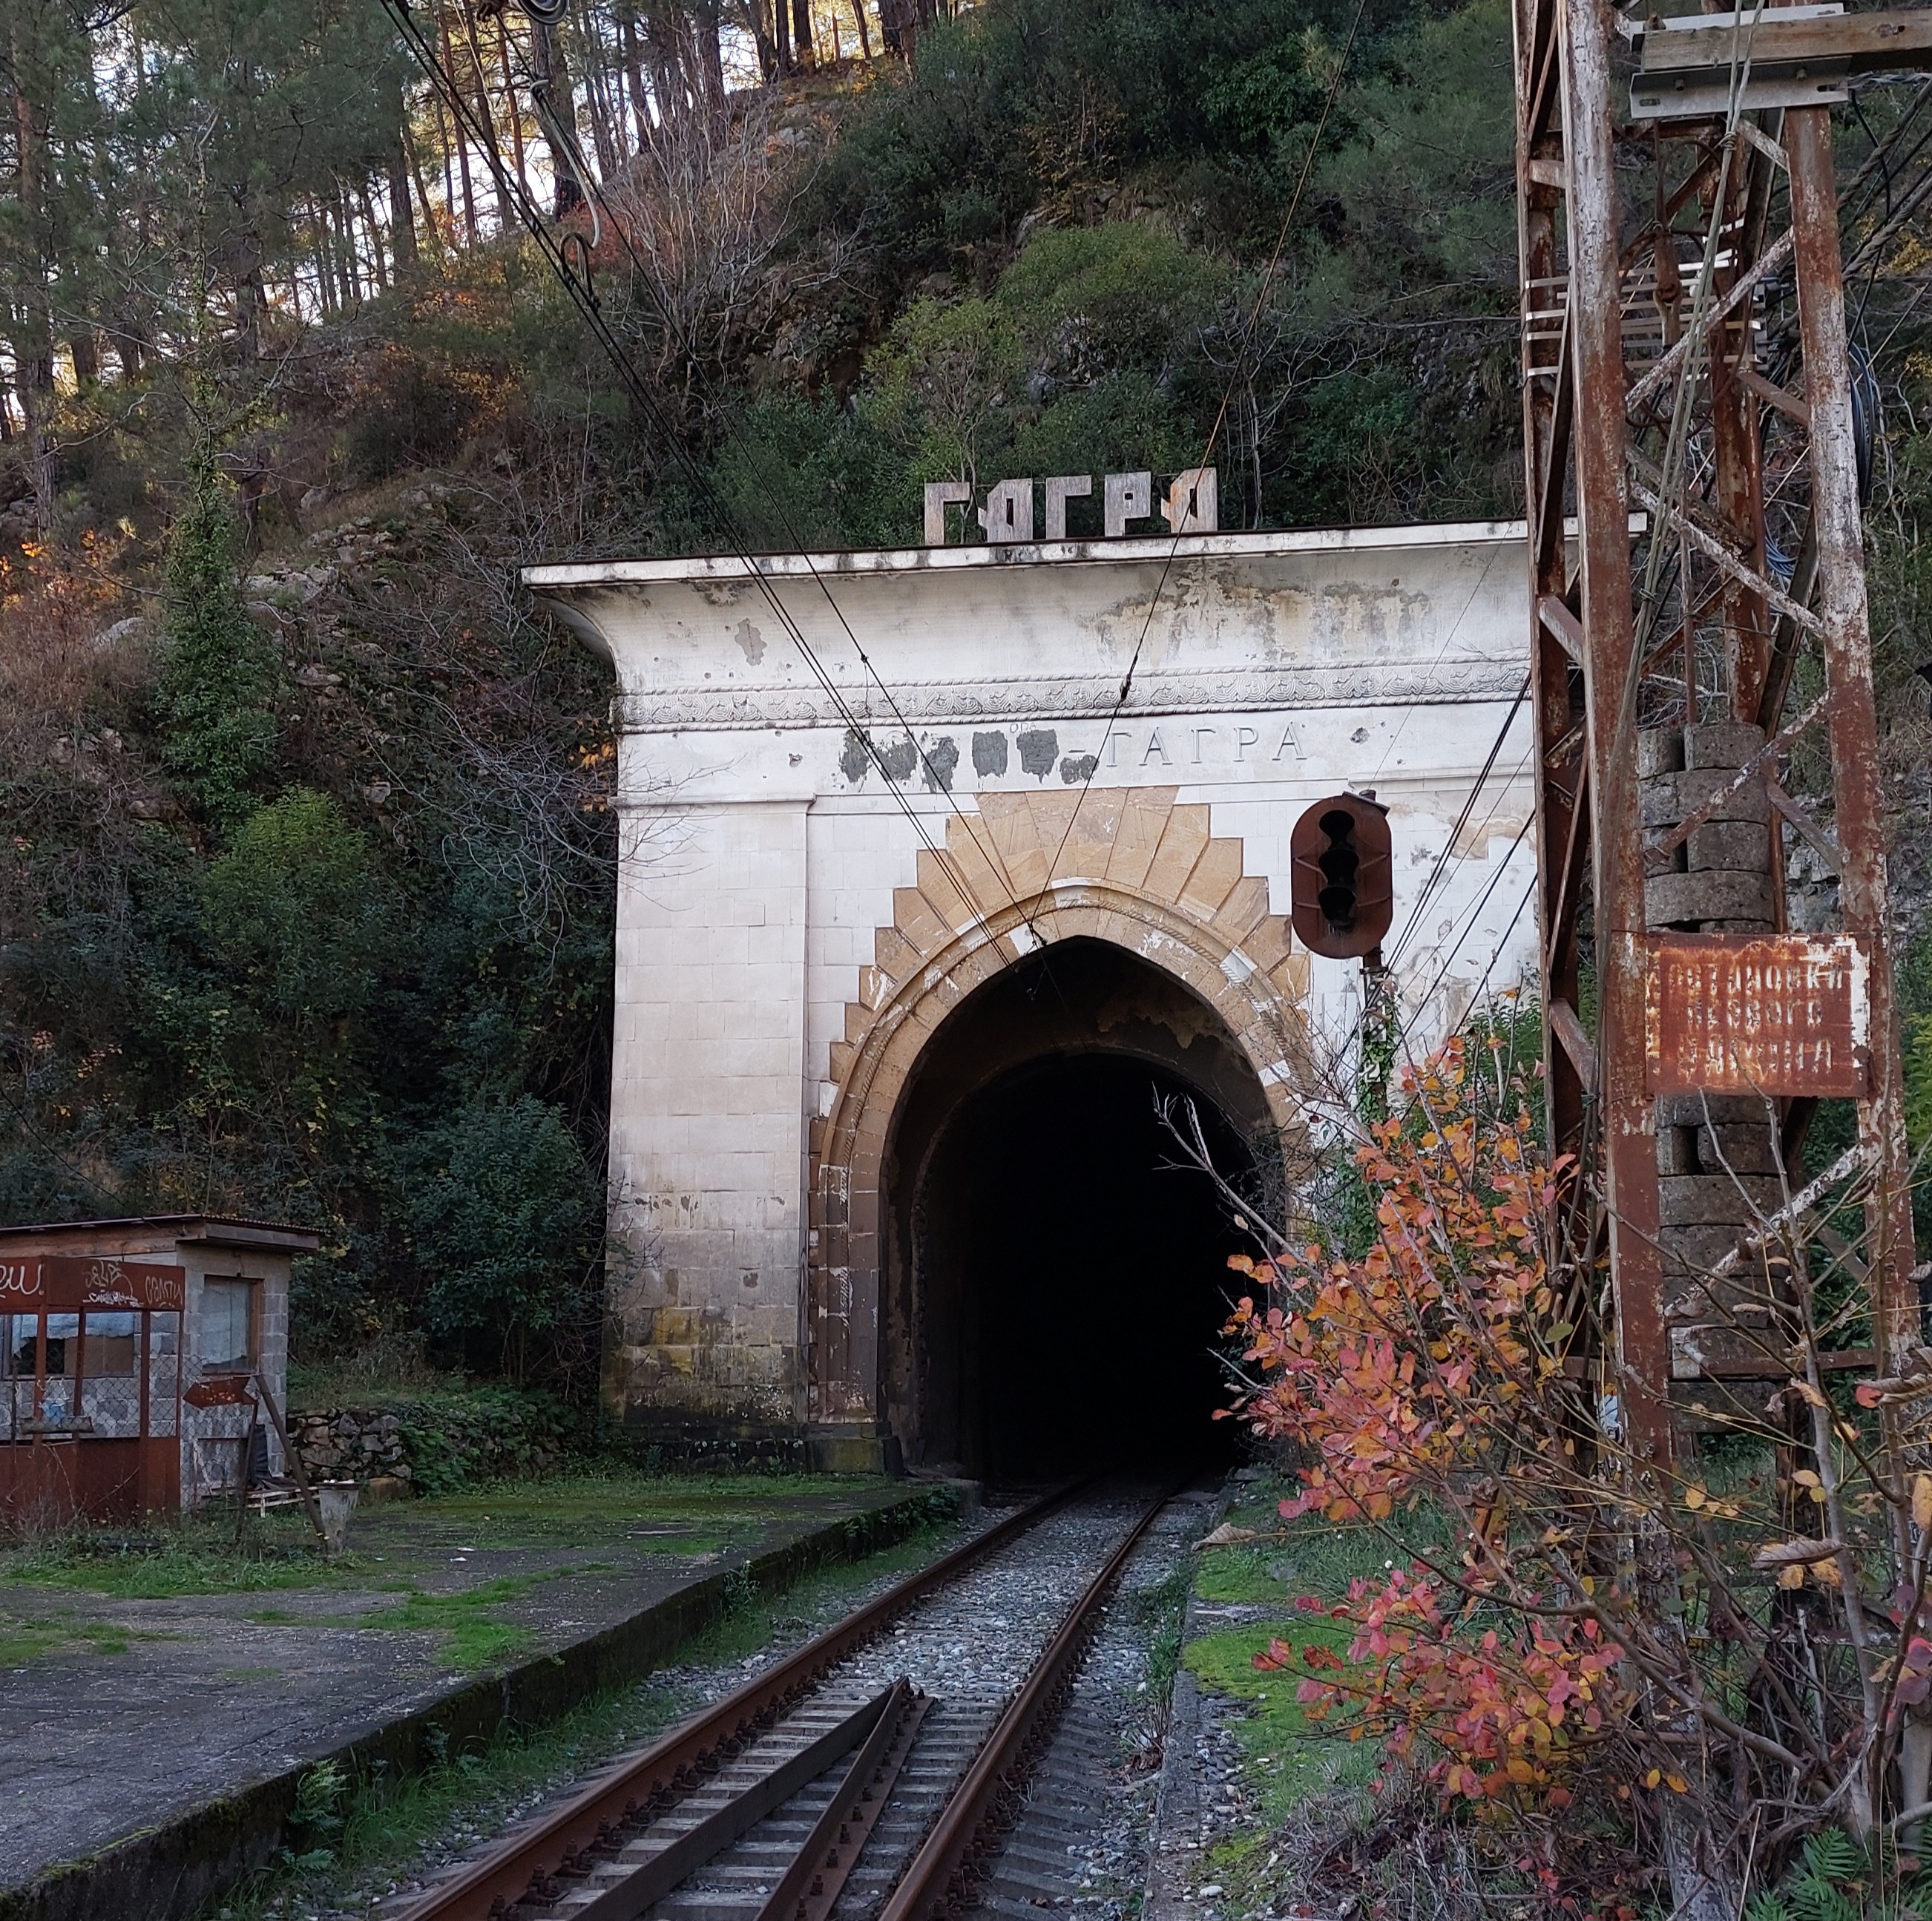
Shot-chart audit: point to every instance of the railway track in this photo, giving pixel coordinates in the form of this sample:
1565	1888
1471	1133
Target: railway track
869	1774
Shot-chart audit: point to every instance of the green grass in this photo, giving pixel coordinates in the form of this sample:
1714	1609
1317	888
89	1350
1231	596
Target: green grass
594	1505
473	1638
383	1822
1287	1758
23	1641
196	1554
1163	1610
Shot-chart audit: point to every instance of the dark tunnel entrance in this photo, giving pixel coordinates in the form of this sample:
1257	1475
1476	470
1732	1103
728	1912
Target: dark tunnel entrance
1057	1279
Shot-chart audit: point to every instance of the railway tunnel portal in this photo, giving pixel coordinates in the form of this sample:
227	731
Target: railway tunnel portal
908	948
1053	1268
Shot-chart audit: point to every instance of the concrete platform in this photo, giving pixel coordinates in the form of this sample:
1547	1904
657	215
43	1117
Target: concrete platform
157	1737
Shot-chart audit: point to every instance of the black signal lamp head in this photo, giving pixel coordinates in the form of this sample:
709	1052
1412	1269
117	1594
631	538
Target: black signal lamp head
1342	884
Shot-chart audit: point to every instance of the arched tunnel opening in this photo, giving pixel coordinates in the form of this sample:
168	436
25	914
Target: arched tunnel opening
1057	1274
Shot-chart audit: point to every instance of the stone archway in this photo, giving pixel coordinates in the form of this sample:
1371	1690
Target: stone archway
1131	867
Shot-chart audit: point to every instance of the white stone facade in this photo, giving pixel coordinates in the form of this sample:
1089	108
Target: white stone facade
768	856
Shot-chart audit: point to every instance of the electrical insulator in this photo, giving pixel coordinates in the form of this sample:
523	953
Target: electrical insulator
1344	884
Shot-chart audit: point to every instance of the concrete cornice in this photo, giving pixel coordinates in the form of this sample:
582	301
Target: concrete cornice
562	575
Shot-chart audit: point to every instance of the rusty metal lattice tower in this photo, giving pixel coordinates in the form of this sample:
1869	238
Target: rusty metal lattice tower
1694	427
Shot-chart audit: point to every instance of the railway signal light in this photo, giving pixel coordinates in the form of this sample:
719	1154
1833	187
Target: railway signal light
1343	885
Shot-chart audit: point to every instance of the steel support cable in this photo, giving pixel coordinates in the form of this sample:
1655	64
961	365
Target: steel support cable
1439	870
595	195
534	223
1214	432
559	260
1880	160
1406	1023
1483	831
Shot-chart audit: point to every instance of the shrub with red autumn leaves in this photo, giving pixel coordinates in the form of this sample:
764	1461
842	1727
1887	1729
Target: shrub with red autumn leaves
1371	1365
1394	1375
1484	1711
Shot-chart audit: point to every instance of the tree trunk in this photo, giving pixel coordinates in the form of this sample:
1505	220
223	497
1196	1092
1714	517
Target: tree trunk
801	30
36	386
706	27
459	139
402	219
343	232
551	85
634	77
865	38
487	117
512	105
33	343
781	32
597	92
667	53
431	231
324	269
379	266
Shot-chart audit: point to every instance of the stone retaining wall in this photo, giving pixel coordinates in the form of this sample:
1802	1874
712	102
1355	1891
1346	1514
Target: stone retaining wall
344	1444
432	1446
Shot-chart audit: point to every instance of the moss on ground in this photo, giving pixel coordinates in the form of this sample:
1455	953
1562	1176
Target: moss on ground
592	1506
24	1640
1287	1757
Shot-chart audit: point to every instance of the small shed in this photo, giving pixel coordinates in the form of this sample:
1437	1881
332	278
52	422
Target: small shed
143	1361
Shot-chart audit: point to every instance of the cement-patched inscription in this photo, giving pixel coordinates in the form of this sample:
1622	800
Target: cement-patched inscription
938	762
1040	748
989	755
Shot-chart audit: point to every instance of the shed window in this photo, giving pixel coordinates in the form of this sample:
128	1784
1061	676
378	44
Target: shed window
227	1324
63	1342
107	1346
22	1334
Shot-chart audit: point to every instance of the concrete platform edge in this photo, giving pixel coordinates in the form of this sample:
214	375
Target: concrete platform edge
169	1872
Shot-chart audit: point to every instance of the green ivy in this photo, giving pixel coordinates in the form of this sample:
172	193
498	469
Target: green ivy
220	674
454	1441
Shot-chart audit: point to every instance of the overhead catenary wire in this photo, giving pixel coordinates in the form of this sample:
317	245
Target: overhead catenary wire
595	196
1439	870
557	255
559	251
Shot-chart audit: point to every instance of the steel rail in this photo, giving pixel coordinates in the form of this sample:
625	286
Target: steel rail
681	1759
808	1889
953	1839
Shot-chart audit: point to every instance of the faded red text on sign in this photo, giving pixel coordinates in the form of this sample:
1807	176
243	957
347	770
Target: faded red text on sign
1784	1016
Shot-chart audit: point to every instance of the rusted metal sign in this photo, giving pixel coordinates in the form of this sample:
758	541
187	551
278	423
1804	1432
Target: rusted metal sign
221	1391
1789	1015
67	1281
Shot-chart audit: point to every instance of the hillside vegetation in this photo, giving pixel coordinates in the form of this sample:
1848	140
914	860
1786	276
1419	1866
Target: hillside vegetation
307	886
